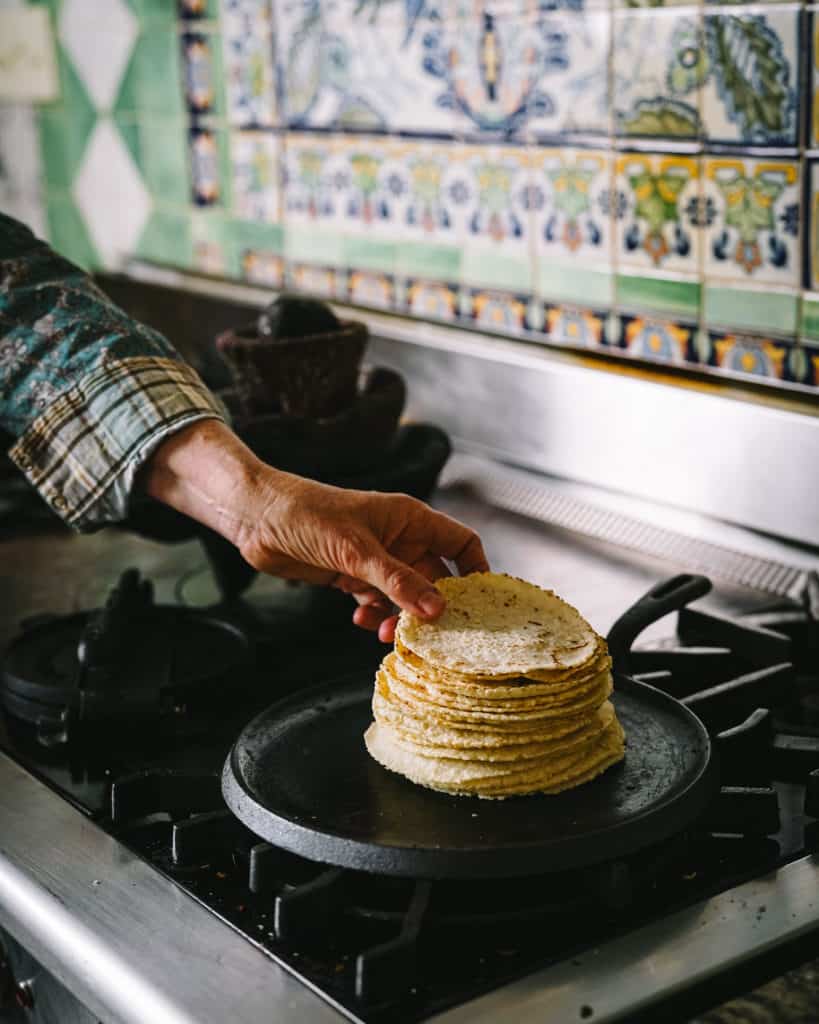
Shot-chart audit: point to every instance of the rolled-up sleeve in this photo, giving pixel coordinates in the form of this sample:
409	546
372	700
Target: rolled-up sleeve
86	392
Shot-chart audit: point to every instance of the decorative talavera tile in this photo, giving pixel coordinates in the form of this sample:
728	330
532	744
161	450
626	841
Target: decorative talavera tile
575	325
657	212
201	71
205	166
659	66
498	246
504	312
751	209
751	85
805	362
262	268
376	291
325	282
751	356
431	300
527	70
648	337
570	199
369	66
247	40
254	158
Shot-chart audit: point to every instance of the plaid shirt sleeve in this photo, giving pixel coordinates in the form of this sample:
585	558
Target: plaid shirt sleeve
87	392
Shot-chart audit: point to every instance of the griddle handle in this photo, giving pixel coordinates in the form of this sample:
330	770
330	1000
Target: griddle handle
668	596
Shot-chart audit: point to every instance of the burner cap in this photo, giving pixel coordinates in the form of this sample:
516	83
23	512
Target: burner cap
132	657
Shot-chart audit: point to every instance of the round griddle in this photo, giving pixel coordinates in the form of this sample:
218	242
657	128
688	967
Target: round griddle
300	777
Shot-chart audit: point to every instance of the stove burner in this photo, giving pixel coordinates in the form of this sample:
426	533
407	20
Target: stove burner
131	659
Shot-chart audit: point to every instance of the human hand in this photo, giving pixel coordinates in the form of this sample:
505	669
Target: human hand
384	549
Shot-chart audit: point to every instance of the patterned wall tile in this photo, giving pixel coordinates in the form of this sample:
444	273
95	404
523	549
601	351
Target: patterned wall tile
430	300
751	206
648	337
247	38
255	170
262	267
516	73
206	166
751	88
752	356
498	248
366	66
658	212
571	203
659	65
202	72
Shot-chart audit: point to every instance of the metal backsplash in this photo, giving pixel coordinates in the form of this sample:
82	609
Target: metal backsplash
711	449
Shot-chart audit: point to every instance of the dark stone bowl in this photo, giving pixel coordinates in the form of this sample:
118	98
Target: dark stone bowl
313	377
354	439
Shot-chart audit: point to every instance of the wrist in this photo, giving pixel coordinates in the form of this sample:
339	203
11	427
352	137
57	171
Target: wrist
206	472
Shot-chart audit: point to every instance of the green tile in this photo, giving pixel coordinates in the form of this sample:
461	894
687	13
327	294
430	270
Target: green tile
368	254
129	130
810	319
153	80
67	232
314	245
483	269
164	145
167	238
245	234
432	262
658	295
155	10
570	284
72	92
758	311
64	134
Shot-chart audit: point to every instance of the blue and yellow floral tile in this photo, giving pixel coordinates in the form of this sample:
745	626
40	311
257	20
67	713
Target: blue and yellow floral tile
430	300
804	363
503	312
206	166
658	213
571	201
373	290
202	73
751	76
255	165
659	66
247	42
262	267
754	356
752	209
574	325
657	338
315	279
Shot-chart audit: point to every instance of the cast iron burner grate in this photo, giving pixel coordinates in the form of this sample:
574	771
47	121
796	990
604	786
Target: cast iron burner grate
387	948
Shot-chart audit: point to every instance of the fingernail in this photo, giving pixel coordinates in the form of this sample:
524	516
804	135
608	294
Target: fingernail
431	604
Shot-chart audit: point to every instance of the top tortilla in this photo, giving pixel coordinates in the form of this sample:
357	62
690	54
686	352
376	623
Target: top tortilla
496	625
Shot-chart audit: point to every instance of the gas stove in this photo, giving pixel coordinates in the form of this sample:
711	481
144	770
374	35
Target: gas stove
119	851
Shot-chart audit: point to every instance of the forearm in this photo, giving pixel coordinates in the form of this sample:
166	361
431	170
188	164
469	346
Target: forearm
206	472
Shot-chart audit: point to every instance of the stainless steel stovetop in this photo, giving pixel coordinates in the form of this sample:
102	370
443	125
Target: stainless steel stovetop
108	905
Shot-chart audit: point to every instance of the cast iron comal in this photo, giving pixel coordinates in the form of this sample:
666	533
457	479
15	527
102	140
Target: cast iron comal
300	777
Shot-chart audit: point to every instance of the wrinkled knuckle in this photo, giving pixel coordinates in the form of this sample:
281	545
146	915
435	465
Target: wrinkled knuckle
399	579
352	552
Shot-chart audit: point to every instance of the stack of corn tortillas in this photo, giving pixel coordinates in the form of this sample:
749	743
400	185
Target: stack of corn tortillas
506	693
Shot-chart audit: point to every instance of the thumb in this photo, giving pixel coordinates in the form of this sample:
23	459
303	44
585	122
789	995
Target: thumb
404	586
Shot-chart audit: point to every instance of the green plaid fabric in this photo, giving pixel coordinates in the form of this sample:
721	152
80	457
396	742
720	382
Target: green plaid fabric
87	392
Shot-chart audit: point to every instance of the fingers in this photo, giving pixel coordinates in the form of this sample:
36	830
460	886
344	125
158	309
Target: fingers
386	631
458	543
402	584
371	616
